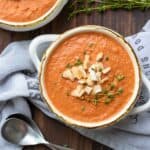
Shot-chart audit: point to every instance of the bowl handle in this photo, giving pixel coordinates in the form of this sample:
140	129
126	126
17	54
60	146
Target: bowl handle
145	106
35	43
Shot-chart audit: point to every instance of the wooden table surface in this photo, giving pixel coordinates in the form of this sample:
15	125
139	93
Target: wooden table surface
124	22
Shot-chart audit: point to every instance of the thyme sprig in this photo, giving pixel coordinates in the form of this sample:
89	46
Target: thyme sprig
88	6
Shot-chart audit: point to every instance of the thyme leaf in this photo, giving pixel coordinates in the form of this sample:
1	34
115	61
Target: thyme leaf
120	77
78	62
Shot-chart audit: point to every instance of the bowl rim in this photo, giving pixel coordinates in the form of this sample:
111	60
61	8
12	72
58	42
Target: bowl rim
112	120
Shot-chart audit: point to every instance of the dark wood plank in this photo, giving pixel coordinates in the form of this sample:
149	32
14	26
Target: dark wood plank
124	22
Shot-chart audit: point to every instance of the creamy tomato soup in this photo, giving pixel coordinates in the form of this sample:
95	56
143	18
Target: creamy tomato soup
89	77
24	10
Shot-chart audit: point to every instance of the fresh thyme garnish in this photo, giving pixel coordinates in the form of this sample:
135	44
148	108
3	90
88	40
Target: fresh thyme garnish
108	100
90	80
120	91
120	77
112	86
100	70
104	91
95	101
78	62
88	6
110	95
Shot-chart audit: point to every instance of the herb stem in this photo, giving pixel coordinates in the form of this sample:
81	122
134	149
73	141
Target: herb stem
82	6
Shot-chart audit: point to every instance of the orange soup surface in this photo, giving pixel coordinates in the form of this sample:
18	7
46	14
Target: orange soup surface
104	96
24	10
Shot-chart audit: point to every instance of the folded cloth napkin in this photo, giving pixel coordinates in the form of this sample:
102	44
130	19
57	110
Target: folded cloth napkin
19	83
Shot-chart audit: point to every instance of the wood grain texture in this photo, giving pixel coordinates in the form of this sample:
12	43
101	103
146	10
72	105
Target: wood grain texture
124	22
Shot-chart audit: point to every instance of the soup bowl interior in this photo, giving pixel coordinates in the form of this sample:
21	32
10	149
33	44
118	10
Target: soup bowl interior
129	105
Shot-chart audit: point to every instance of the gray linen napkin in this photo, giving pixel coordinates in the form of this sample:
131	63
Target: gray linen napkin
18	83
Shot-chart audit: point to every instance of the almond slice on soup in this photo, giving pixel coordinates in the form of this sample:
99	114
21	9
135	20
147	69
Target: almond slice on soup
78	72
89	81
106	70
86	61
78	92
99	56
97	89
98	76
92	75
104	80
68	74
82	81
88	90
